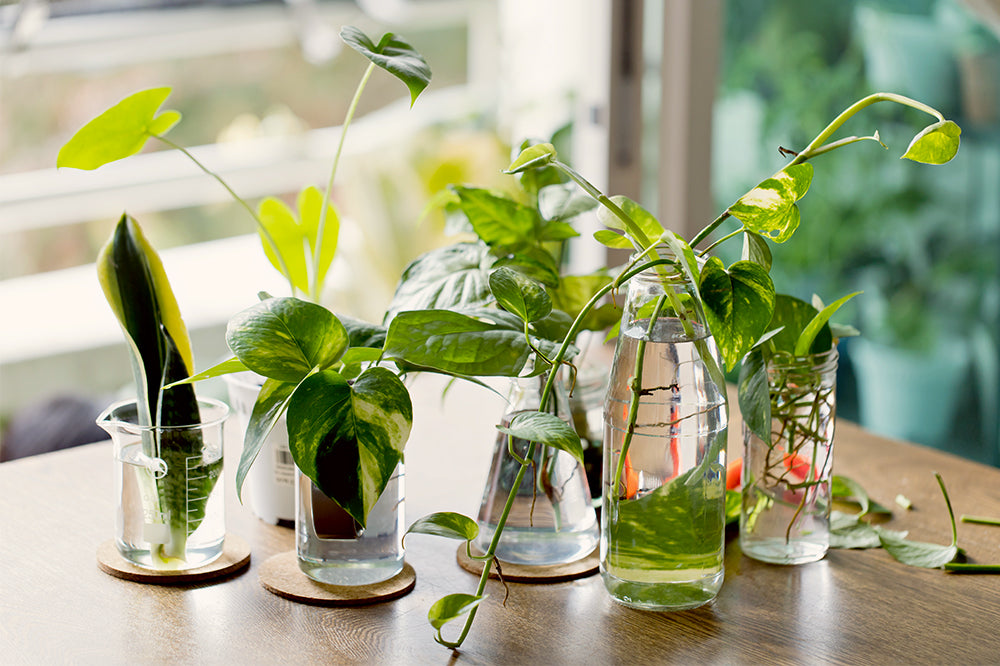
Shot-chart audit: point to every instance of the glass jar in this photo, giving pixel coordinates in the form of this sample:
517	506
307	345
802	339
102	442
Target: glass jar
333	548
170	509
663	512
785	513
552	519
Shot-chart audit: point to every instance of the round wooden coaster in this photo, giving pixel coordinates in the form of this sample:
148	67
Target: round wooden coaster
524	573
281	575
235	556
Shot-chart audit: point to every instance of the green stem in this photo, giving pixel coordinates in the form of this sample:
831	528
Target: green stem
260	225
980	520
316	286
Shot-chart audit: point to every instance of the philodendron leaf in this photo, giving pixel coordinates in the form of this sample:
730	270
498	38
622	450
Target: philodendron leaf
532	157
348	438
936	144
456	343
446	524
394	55
119	132
286	338
520	295
754	395
310	204
738	305
806	340
496	218
547	429
272	400
769	209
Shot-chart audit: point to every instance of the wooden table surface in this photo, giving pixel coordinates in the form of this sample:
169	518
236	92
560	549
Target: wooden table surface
853	607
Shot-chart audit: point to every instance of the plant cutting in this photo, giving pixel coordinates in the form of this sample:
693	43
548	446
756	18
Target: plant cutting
347	418
718	314
170	515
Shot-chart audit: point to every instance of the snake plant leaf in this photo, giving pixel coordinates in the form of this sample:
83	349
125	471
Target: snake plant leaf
451	277
456	343
935	144
738	305
754	394
447	524
647	228
286	338
271	403
547	429
805	344
496	218
394	55
769	209
520	294
532	157
756	249
349	437
119	132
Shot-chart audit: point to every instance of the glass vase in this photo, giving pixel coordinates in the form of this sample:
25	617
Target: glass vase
663	508
333	548
551	520
785	513
269	487
170	510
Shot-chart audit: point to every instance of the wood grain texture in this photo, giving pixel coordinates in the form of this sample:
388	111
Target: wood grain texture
853	607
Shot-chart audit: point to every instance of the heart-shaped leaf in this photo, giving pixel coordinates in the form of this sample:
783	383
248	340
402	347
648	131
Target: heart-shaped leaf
348	438
455	343
533	262
394	55
119	132
738	305
547	429
936	144
449	608
446	524
532	157
496	218
612	239
519	294
286	338
451	277
267	410
769	209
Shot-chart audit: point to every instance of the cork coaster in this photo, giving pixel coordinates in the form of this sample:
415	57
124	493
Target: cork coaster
525	573
235	556
281	575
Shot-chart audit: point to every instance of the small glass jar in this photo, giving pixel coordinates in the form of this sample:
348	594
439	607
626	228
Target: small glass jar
785	514
333	548
170	507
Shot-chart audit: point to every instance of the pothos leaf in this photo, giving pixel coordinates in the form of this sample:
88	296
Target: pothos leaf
612	239
119	132
520	294
394	55
446	524
738	305
448	608
547	429
349	437
754	395
532	157
647	229
935	144
756	249
271	403
496	218
769	209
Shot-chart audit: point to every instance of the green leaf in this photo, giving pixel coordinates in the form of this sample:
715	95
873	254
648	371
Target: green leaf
547	429
348	438
575	291
921	554
496	218
847	531
394	55
310	205
362	333
734	501
279	221
754	395
756	249
286	338
226	367
738	305
449	608
360	355
271	403
805	342
446	524
519	294
451	277
792	315
612	239
119	132
845	488
564	201
936	144
649	226
533	157
456	343
557	231
769	209
533	262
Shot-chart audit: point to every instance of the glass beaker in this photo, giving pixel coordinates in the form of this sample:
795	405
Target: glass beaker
663	517
333	548
170	508
552	519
